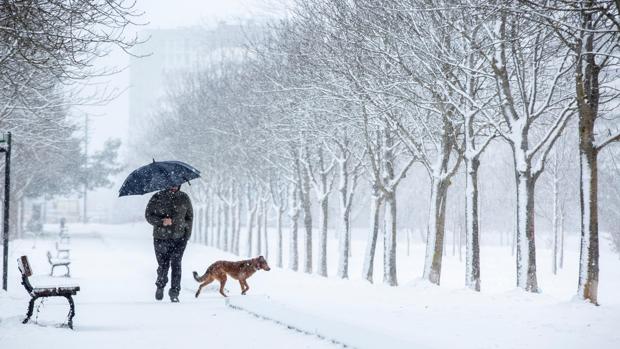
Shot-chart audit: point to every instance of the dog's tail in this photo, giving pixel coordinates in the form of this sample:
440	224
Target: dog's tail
200	278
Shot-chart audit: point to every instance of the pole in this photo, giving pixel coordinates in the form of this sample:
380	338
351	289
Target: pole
7	192
85	208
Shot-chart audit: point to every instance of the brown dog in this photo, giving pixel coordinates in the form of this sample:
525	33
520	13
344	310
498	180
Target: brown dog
240	270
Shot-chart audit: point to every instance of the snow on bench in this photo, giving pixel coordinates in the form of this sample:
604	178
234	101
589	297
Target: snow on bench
342	333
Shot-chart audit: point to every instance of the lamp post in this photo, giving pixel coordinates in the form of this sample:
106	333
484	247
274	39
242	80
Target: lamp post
5	147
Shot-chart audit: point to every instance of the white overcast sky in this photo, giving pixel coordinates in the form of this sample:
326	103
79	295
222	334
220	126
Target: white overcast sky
111	120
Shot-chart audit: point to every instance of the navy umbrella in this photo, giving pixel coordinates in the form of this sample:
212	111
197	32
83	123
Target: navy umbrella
158	175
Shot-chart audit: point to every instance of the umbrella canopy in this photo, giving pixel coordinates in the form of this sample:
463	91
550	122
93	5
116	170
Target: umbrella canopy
158	175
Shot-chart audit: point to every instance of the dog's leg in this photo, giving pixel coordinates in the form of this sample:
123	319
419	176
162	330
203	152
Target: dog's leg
205	283
242	286
247	287
222	284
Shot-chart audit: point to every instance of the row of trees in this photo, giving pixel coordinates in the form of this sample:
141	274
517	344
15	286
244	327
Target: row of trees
348	92
47	49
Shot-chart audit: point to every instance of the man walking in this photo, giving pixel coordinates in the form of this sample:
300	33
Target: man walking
170	213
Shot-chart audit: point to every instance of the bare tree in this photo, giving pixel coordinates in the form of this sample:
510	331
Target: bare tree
590	31
322	183
279	199
349	171
537	105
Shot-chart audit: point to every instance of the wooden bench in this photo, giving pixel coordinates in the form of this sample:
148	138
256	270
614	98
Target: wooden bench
42	292
62	250
64	236
58	262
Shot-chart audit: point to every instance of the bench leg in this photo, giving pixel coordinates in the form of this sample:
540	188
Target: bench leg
30	309
71	311
67	273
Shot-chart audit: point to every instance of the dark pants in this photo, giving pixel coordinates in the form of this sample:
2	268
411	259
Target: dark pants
169	253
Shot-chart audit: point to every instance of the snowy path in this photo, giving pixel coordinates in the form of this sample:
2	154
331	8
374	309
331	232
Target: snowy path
116	306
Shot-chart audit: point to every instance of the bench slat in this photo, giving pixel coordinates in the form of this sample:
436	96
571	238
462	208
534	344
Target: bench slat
48	292
24	266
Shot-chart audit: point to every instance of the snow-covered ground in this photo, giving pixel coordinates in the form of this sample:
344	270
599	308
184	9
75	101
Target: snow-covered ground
115	267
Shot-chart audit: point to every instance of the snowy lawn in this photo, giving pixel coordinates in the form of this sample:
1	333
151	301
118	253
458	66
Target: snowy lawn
115	266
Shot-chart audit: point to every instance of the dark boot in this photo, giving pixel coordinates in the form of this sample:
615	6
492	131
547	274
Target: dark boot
159	294
174	295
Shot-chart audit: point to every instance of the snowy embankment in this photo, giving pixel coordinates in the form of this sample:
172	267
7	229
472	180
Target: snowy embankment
427	315
421	315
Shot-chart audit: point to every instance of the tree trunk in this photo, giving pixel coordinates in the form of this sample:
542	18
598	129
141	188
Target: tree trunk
369	257
526	247
226	228
501	238
293	252
212	226
195	222
239	210
198	227
461	242
266	232
588	95
344	242
206	222
472	241
251	217
218	240
408	242
513	246
203	225
258	247
237	226
21	215
588	197
562	237
436	230
233	226
322	262
346	198
279	223
453	240
389	254
554	265
305	203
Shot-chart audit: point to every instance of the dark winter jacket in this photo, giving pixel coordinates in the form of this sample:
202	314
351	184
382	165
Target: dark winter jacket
166	204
